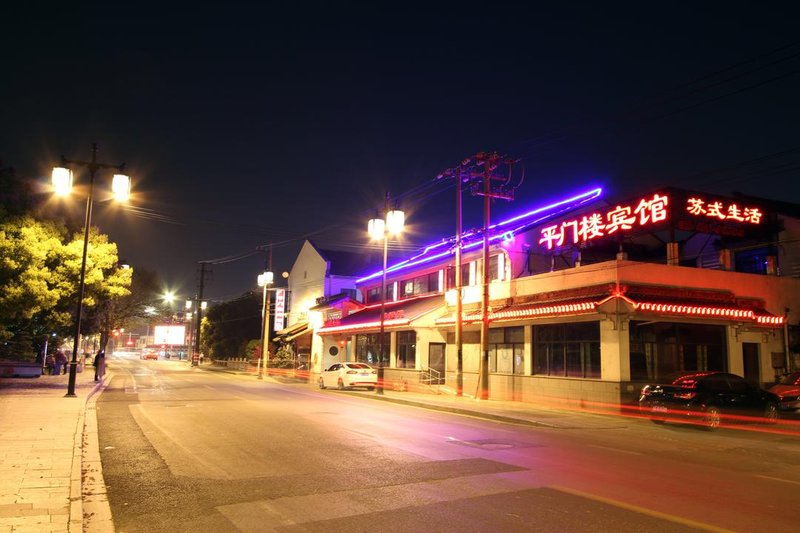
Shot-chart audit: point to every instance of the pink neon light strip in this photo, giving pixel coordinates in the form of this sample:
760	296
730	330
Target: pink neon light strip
365	325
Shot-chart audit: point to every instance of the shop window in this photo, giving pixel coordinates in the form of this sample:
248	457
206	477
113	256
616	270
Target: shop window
368	348
660	349
406	349
567	350
507	350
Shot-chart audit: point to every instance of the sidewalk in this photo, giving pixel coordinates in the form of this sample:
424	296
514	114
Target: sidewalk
41	434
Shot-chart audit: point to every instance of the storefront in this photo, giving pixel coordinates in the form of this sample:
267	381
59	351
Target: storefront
588	301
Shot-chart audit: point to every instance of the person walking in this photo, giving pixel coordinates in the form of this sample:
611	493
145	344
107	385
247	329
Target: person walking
99	365
61	363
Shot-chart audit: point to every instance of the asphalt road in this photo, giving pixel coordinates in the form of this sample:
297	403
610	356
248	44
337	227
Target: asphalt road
190	450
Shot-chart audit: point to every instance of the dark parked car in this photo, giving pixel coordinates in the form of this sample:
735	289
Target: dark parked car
788	391
705	398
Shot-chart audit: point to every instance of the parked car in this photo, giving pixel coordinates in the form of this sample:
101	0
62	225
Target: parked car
788	391
348	375
705	398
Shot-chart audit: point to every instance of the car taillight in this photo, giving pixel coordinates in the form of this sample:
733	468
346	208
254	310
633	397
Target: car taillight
374	371
685	395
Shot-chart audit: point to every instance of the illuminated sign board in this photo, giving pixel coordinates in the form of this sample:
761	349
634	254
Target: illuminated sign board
686	211
169	335
280	308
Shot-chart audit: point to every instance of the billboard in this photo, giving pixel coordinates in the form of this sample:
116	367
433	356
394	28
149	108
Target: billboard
170	334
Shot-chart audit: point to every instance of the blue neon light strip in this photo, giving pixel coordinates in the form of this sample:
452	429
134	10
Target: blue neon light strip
519	223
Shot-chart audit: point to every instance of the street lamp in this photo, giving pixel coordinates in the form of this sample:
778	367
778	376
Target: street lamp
62	183
264	280
381	228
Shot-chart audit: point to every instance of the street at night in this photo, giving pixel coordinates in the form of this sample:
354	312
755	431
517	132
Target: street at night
185	449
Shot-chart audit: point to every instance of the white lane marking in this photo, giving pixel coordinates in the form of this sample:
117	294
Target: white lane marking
614	449
779	479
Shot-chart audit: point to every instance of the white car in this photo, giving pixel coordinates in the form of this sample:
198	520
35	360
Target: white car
347	375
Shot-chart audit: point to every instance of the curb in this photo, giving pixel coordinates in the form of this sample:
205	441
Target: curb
86	512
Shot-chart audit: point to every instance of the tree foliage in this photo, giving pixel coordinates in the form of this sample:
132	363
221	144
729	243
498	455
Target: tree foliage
228	327
39	276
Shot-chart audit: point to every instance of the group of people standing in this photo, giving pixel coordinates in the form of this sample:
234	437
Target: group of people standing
57	364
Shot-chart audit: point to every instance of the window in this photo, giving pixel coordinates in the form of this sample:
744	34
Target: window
368	346
497	267
406	349
507	350
662	348
374	294
568	350
465	279
419	285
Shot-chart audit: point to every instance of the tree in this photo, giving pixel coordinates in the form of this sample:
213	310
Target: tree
230	326
39	272
31	292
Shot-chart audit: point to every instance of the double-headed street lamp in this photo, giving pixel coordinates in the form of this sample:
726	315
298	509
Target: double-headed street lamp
62	183
381	228
264	280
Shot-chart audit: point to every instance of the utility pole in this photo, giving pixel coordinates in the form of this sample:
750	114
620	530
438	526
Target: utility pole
459	282
490	162
199	314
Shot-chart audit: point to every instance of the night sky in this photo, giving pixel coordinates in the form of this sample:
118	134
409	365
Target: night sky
244	125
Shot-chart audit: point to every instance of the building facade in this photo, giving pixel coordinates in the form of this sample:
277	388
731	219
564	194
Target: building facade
588	299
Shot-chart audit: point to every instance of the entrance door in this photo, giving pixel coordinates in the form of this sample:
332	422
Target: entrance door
751	369
436	352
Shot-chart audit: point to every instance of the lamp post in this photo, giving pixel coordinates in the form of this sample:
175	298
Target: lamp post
382	228
264	280
62	182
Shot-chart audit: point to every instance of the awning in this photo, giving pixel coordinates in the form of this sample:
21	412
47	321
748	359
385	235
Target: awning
300	333
400	313
290	333
735	312
529	310
724	307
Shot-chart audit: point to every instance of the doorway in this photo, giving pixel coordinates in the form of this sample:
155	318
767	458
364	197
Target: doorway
751	368
436	352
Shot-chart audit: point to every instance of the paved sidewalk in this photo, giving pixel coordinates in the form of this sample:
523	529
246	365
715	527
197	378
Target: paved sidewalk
41	433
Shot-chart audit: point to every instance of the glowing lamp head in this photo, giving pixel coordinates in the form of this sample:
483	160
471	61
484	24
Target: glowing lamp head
203	305
265	279
62	180
376	229
169	297
188	304
395	221
121	187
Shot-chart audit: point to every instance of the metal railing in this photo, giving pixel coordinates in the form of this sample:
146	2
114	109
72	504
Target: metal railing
430	376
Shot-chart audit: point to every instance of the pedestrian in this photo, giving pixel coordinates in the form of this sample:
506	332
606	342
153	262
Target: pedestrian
61	363
99	365
49	364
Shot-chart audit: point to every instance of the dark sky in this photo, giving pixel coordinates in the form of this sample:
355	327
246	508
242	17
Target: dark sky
245	124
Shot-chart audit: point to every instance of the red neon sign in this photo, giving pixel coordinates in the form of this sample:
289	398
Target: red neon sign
596	225
634	215
699	207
